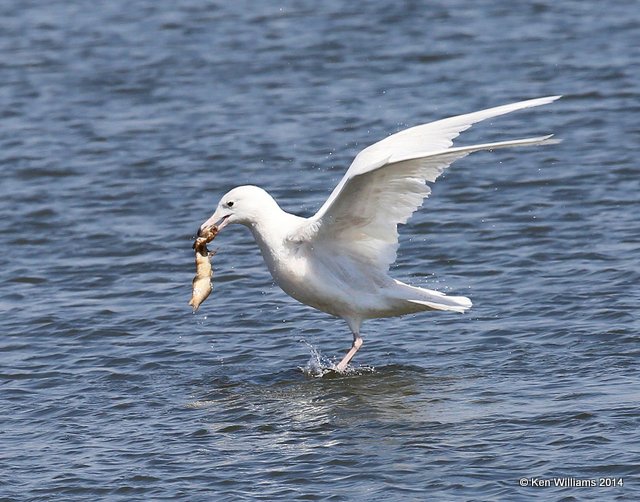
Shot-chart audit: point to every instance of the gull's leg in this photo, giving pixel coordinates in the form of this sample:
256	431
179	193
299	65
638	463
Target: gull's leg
354	325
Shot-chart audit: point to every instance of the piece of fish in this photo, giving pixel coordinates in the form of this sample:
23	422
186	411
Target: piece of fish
201	284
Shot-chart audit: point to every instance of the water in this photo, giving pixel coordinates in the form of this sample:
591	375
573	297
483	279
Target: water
122	125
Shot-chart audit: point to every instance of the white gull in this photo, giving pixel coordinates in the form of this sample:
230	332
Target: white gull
337	261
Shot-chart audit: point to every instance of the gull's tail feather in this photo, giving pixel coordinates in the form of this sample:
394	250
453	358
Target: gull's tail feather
429	299
452	303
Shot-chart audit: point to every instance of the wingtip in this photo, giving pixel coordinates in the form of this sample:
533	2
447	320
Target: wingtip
541	101
550	140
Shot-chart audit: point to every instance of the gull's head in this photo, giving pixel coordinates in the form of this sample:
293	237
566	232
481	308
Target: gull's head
244	205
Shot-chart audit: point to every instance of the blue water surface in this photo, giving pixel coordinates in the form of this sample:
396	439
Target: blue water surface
121	125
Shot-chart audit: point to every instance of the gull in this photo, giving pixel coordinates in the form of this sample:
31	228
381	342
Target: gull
337	261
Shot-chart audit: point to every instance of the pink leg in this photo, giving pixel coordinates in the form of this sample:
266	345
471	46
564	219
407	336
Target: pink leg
357	343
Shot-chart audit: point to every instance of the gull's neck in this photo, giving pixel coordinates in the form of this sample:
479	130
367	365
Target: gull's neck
270	229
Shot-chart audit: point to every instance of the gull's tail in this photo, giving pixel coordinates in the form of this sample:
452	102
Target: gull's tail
417	299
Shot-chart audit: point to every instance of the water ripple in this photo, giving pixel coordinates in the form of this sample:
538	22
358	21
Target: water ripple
123	124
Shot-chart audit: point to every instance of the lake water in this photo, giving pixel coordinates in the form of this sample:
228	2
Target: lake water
122	123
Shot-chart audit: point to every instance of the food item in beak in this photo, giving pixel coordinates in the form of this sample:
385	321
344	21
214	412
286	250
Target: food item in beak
201	285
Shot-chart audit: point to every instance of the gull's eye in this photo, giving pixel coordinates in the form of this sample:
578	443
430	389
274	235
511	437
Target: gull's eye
230	203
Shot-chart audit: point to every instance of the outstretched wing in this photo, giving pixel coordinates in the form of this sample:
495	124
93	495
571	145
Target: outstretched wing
386	183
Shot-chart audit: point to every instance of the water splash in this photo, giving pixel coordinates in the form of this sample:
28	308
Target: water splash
319	366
